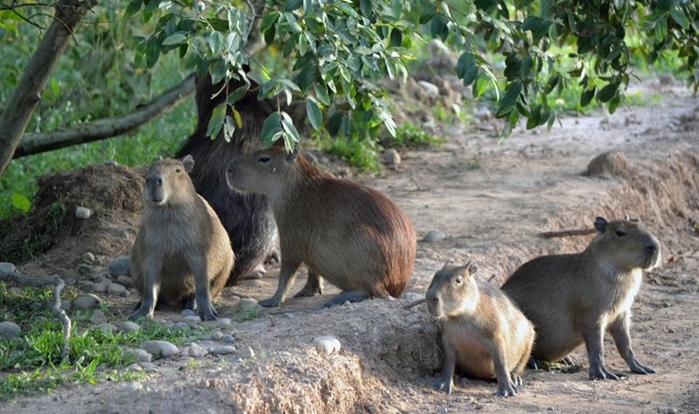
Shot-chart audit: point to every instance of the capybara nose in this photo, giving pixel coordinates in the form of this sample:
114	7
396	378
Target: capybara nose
651	248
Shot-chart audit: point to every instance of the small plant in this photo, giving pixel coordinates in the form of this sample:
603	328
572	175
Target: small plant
411	136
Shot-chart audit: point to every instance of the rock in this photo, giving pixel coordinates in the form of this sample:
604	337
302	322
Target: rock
188	312
248	303
108	328
98	287
196	351
160	349
88	257
87	301
224	350
98	317
121	266
433	236
192	320
139	355
327	344
224	322
125	281
607	164
391	157
117	290
7	267
149	367
134	368
430	88
65	304
132	387
483	114
229	339
246	353
82	213
129	326
9	330
213	336
182	325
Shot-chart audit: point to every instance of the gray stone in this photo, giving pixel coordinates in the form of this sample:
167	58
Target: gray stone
9	330
225	322
433	236
412	296
430	88
149	367
224	350
192	320
188	312
82	213
98	287
213	336
160	349
132	387
246	353
196	351
125	281
98	317
327	344
87	301
129	326
108	328
65	304
120	266
229	339
134	368
391	157
89	257
140	355
116	289
182	325
7	267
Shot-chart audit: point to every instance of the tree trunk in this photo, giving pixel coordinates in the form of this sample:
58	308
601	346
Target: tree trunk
27	95
106	128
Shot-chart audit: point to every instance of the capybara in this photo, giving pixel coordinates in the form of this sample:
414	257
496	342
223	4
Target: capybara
484	334
246	217
349	234
575	298
182	255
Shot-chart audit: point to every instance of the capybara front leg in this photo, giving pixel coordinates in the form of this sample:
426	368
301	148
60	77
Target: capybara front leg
286	280
622	338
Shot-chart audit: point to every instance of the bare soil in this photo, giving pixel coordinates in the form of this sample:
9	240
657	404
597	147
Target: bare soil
490	198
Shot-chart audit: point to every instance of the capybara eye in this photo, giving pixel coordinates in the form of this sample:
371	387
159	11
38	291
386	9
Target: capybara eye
264	159
620	233
178	170
458	280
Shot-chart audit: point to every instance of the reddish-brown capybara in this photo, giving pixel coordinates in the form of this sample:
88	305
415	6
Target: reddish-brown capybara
351	235
182	255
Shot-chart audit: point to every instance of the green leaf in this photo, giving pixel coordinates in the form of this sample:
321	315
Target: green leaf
508	101
322	93
271	129
218	25
680	18
306	76
513	66
292	5
133	8
216	121
334	124
365	7
607	92
216	43
396	37
466	68
269	20
315	116
174	39
238	94
291	135
614	103
21	203
586	96
428	13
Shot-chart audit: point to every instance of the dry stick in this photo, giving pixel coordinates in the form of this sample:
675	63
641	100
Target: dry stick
417	302
56	308
567	233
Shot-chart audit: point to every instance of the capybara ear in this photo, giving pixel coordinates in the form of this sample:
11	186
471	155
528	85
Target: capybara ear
471	267
601	224
626	217
291	157
188	163
447	263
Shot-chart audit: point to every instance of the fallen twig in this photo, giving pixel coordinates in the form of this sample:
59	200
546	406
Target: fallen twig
417	302
567	233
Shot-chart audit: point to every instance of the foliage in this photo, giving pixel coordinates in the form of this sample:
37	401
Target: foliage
32	362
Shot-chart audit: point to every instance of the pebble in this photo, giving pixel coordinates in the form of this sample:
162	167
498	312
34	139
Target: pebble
117	290
134	368
224	322
98	318
193	319
392	158
140	355
7	267
108	328
83	213
129	326
196	351
149	367
133	387
229	339
98	287
88	257
246	353
125	281
188	312
327	344
9	330
120	266
87	301
430	88
412	296
160	349
182	325
433	236
224	350
65	304
213	336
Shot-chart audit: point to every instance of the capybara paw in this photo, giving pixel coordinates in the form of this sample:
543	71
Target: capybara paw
308	292
516	380
601	373
641	369
142	312
506	391
208	314
446	386
270	303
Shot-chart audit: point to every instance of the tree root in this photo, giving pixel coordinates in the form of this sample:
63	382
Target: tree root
56	308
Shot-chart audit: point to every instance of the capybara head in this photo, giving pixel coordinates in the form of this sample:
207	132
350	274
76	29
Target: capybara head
265	171
625	245
453	291
167	181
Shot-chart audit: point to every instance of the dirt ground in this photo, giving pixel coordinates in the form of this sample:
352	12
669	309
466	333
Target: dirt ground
490	198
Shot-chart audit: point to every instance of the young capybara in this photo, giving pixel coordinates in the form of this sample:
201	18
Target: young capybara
575	298
484	334
182	254
349	234
246	217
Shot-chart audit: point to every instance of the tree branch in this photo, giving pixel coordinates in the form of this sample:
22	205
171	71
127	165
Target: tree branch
108	127
56	308
41	65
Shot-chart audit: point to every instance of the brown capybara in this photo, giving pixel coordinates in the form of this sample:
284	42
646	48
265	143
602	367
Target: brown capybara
575	298
349	234
246	217
182	254
484	334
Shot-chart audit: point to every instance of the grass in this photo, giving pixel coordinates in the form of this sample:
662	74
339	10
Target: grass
32	362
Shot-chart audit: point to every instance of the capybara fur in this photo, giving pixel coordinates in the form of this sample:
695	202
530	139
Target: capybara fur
484	334
575	298
349	234
246	217
182	255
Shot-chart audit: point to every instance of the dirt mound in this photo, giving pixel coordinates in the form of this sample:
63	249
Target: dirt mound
113	194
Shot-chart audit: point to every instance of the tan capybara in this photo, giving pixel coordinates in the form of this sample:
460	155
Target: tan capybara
349	234
575	298
484	334
182	254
